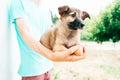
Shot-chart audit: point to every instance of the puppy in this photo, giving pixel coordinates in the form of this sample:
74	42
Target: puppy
66	32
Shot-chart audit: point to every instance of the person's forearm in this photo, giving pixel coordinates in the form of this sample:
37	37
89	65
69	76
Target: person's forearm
37	46
30	41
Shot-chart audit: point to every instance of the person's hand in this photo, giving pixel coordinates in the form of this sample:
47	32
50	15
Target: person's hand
67	55
80	51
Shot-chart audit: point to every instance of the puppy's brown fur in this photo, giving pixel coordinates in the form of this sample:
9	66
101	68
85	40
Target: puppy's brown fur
66	33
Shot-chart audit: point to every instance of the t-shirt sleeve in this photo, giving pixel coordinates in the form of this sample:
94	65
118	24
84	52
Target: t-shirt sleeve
16	10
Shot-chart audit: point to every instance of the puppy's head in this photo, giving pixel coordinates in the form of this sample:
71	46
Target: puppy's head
72	17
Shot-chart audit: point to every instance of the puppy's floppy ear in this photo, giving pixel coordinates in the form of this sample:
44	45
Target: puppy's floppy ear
85	15
63	9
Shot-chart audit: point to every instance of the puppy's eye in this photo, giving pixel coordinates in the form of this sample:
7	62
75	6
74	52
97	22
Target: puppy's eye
73	15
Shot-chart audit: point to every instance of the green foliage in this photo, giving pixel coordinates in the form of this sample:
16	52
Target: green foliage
105	26
114	26
54	18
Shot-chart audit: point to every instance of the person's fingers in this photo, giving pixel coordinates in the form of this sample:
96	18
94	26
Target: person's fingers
71	50
75	58
82	48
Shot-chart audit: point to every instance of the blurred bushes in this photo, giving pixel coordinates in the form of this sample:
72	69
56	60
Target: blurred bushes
105	26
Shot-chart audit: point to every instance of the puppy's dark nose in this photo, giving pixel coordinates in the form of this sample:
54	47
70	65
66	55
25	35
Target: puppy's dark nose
82	25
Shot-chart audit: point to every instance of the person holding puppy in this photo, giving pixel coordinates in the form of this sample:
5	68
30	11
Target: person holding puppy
31	19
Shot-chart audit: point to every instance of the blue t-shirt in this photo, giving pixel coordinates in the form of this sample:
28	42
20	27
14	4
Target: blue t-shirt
32	63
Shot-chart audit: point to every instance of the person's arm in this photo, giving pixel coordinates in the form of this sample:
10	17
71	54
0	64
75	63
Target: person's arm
39	48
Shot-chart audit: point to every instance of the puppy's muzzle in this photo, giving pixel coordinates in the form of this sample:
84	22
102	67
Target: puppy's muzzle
76	24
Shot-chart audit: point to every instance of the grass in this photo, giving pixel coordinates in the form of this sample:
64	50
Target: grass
102	63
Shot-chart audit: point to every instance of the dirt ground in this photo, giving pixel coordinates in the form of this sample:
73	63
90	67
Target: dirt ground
101	63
